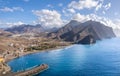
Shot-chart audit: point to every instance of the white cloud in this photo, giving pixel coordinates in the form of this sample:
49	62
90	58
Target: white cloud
79	17
100	5
117	30
18	9
107	6
68	12
48	18
11	24
14	24
71	10
115	24
108	22
81	4
7	9
89	4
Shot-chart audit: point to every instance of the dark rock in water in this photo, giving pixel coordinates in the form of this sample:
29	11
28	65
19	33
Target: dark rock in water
87	40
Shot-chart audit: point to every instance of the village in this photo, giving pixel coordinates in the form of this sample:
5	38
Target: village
13	47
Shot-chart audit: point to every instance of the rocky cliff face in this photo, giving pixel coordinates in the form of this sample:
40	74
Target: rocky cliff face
87	40
84	33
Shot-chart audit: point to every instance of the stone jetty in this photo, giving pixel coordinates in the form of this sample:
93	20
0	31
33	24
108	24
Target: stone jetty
33	71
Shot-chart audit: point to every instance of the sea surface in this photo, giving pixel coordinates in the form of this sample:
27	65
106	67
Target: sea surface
100	59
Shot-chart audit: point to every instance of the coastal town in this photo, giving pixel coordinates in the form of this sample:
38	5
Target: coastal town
13	47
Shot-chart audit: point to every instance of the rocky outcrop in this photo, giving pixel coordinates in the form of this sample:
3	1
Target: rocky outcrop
87	40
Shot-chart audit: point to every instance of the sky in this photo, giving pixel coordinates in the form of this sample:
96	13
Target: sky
56	13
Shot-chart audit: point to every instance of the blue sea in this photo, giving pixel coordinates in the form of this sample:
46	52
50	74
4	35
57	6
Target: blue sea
100	59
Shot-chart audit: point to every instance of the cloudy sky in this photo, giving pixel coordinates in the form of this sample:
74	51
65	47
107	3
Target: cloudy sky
56	13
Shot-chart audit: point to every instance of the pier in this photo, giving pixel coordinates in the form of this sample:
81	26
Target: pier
33	71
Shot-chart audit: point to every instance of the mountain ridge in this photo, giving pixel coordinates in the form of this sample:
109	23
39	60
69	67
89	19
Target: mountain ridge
91	29
76	32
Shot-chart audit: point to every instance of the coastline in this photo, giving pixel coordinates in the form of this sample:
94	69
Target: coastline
10	73
35	51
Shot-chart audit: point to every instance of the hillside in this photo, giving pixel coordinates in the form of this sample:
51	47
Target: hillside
26	29
78	32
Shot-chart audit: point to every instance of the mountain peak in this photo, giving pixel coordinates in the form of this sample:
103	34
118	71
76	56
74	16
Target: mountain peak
88	30
73	21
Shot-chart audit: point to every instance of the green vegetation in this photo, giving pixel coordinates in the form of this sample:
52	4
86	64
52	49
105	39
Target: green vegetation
41	47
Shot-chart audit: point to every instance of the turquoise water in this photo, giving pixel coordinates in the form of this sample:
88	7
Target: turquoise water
100	59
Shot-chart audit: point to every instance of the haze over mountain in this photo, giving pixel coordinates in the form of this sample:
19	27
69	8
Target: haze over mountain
35	29
77	32
117	32
5	33
84	33
25	29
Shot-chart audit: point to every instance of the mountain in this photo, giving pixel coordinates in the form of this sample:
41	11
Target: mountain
5	33
30	29
83	33
26	29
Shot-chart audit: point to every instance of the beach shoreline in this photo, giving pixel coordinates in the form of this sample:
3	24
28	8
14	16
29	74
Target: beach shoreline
10	73
35	51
